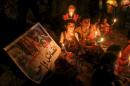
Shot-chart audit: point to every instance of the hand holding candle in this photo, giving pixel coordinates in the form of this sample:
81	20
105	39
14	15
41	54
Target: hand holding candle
101	39
63	46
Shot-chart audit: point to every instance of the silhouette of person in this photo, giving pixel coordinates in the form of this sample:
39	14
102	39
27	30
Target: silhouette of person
104	75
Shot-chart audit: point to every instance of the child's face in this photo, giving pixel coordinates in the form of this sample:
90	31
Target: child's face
93	26
86	22
70	27
105	20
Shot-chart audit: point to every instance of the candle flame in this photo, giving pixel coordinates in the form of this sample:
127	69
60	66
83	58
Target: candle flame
71	14
115	20
102	39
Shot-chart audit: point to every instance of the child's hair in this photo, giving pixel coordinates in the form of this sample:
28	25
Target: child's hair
69	21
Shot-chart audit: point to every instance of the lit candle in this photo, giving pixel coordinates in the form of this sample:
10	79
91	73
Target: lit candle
101	39
71	14
64	47
114	21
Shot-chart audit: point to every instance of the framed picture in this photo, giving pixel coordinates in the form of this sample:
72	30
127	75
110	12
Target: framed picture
34	52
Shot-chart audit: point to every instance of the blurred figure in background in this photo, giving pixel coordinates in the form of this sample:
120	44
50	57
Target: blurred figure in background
115	49
94	32
84	29
124	61
105	27
71	14
104	75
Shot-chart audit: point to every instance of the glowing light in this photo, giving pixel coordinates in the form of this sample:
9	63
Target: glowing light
114	20
125	2
64	47
71	14
71	10
101	39
112	2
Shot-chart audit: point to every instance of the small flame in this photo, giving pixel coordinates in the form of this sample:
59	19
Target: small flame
115	20
71	14
102	39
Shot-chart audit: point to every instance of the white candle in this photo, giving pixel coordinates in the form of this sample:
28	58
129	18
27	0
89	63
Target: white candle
64	47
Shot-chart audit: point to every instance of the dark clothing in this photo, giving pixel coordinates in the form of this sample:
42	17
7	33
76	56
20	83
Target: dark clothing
71	45
104	76
23	8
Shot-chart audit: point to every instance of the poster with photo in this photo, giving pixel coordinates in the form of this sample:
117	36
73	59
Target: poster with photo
34	52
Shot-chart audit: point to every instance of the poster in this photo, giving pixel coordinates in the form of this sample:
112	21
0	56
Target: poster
34	52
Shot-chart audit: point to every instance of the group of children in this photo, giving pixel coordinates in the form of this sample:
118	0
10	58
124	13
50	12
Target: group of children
82	33
87	33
